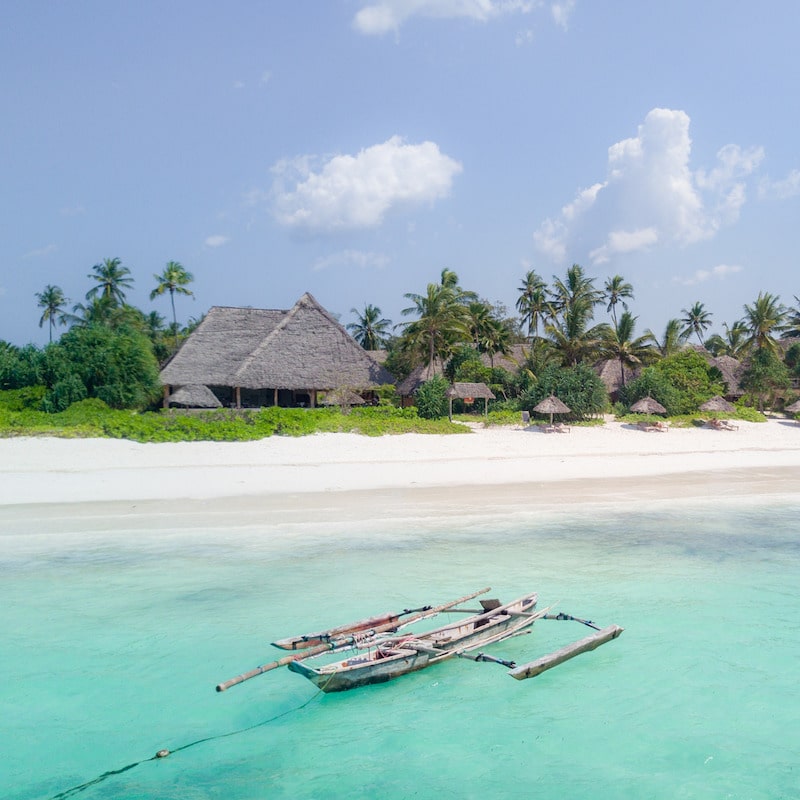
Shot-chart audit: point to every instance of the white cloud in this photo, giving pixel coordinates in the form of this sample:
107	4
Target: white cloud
72	211
782	189
562	11
352	258
720	272
624	242
651	195
348	192
41	252
216	241
382	16
266	76
238	84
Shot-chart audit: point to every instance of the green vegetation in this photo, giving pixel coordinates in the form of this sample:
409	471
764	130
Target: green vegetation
101	376
93	417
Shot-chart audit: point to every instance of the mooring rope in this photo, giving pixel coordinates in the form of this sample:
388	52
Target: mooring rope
164	753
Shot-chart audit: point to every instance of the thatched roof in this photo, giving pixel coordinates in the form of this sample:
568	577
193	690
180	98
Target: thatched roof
552	405
794	408
418	376
510	361
647	405
610	372
194	396
718	404
731	370
342	397
464	390
302	348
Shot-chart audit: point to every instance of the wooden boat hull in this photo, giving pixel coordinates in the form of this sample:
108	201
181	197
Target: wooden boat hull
392	658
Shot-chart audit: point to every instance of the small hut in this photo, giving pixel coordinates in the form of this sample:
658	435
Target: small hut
194	396
469	392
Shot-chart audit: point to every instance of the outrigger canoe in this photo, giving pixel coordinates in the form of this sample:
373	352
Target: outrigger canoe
394	656
381	653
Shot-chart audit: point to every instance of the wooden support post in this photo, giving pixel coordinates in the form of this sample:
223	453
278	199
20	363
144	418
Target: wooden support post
165	401
238	394
534	668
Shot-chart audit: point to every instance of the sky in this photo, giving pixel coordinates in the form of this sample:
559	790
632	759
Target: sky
355	148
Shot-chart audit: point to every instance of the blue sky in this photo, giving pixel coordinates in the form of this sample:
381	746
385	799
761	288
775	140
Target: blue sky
355	148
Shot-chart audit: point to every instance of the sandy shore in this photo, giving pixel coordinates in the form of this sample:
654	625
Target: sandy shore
347	474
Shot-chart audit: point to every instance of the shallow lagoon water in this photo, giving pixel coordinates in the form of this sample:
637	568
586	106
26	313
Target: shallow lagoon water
112	644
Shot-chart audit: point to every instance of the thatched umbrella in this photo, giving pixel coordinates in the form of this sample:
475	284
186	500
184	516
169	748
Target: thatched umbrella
647	405
552	405
718	403
794	408
194	396
343	397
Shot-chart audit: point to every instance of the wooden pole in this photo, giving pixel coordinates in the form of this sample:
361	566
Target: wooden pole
534	668
344	641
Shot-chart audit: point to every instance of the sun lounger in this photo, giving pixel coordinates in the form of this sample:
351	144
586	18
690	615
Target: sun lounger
557	427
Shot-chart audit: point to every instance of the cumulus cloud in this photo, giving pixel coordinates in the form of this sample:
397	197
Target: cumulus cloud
216	241
352	258
720	272
651	195
349	192
382	16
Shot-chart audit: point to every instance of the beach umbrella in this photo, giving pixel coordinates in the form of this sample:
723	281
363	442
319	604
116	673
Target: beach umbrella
648	406
718	404
794	408
552	405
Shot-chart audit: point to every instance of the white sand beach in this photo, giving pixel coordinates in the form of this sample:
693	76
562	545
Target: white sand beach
333	474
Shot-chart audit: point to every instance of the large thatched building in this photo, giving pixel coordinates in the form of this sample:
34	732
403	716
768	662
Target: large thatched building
256	357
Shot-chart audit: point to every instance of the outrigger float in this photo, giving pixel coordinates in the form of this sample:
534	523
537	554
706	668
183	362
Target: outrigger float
379	652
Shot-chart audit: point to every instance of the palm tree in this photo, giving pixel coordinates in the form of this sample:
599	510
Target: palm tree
488	333
442	322
697	321
673	339
765	316
369	330
97	311
618	342
732	344
571	310
616	291
792	328
173	279
52	300
532	302
111	278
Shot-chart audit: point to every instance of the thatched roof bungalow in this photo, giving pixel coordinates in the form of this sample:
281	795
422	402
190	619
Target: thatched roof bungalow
261	357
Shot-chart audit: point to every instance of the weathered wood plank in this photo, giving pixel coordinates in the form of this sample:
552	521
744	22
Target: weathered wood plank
540	665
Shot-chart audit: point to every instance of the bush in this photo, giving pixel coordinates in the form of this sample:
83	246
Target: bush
579	387
431	398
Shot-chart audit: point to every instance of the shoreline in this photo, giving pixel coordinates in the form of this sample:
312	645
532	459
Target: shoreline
64	483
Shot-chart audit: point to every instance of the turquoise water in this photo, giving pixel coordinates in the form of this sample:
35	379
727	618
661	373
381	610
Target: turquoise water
111	646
